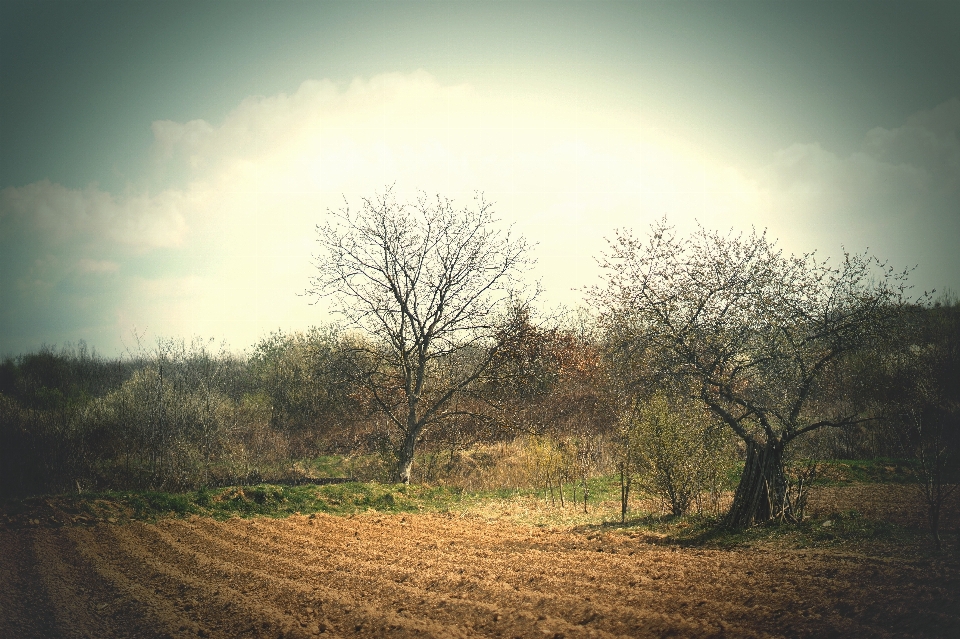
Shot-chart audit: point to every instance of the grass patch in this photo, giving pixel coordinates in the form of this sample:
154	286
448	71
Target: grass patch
266	500
331	466
277	500
872	471
849	529
152	504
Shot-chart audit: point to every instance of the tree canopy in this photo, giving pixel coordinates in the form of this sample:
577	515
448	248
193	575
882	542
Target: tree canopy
755	335
428	283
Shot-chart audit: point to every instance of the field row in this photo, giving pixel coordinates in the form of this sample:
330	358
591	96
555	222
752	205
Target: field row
442	576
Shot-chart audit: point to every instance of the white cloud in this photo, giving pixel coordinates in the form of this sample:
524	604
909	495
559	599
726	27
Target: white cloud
262	179
227	252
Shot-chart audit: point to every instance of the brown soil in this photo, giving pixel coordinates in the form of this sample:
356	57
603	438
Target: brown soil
900	504
444	576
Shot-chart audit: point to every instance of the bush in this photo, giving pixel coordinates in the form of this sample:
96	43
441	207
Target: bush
680	452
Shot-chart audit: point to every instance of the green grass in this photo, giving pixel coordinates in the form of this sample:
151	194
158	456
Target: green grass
527	506
265	500
847	532
327	466
274	500
874	471
882	470
269	500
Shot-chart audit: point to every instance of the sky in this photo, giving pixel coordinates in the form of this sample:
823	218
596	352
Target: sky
163	165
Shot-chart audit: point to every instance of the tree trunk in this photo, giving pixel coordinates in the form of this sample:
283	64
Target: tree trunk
934	515
761	494
405	455
586	493
624	489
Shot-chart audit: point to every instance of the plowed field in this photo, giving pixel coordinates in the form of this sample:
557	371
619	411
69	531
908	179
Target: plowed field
444	576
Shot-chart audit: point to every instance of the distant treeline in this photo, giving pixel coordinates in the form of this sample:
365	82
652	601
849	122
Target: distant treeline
181	415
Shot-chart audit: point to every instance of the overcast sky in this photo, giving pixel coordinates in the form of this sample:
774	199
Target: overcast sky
163	164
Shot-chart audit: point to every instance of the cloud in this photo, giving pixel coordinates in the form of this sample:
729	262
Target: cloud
61	215
928	142
222	248
264	177
97	266
899	195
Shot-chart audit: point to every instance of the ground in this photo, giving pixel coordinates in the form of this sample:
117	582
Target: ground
454	575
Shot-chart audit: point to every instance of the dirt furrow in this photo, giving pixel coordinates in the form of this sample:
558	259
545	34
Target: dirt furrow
715	584
141	582
430	575
203	592
559	600
386	590
547	571
295	602
171	599
27	611
84	603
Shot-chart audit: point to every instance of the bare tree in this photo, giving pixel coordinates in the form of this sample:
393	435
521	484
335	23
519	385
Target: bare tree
427	283
757	336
